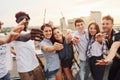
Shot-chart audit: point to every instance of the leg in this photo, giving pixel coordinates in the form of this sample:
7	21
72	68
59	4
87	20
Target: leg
87	69
38	73
59	75
118	75
96	70
26	76
68	73
82	70
114	69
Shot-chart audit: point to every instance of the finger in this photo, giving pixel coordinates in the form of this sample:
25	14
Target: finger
17	29
22	22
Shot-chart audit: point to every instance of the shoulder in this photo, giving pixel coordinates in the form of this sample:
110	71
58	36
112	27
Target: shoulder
117	36
45	42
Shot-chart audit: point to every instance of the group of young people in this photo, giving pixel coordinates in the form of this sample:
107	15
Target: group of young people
91	45
57	49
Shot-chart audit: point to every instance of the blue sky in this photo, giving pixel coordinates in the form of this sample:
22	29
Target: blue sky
69	8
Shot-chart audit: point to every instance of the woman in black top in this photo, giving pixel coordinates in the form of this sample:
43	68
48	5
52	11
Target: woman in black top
66	54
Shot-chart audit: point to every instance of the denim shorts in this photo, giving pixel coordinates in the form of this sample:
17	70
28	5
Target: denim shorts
50	74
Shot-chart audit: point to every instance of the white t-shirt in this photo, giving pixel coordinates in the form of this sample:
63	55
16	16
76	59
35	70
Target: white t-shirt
5	59
9	62
3	68
25	55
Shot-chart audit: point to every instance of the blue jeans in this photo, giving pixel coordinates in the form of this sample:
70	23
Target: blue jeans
50	75
84	70
6	77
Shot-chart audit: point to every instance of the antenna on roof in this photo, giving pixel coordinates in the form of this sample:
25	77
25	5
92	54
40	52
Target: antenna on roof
44	16
62	22
62	14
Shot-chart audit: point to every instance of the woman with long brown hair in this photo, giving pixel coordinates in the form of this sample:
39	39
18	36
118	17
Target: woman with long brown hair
95	52
52	68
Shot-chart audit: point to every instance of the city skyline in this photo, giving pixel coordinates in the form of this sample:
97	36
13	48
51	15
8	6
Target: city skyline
69	8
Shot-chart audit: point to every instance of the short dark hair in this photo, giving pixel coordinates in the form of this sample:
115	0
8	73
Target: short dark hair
108	17
78	21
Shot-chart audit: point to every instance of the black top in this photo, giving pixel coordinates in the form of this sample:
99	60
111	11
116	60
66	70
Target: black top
110	39
67	51
117	38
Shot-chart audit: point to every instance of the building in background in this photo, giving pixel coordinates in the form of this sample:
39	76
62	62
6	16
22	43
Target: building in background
117	26
95	16
63	24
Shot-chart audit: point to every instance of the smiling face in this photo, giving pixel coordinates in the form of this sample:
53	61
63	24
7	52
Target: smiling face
47	32
57	34
107	25
80	26
93	29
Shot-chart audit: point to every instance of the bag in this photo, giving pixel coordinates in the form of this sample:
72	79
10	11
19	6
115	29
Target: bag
40	62
76	64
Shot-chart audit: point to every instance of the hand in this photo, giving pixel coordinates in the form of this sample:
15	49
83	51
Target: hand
12	36
36	34
76	40
68	37
18	29
102	62
58	46
99	37
20	26
23	22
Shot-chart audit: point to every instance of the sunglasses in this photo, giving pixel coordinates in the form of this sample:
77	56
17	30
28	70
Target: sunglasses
21	18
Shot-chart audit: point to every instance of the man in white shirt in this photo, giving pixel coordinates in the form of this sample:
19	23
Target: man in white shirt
27	63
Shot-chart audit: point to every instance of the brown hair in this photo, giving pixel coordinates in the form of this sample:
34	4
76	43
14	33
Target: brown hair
108	17
78	21
45	25
52	38
96	27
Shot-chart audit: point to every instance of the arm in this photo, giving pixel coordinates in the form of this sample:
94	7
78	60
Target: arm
35	34
13	34
56	46
48	48
68	38
111	55
4	39
99	37
8	38
24	37
113	51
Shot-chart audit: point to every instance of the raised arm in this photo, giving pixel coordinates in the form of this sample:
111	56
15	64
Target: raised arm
56	46
115	46
113	51
13	34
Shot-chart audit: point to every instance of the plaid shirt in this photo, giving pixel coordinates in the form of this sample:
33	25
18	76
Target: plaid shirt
104	48
91	41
